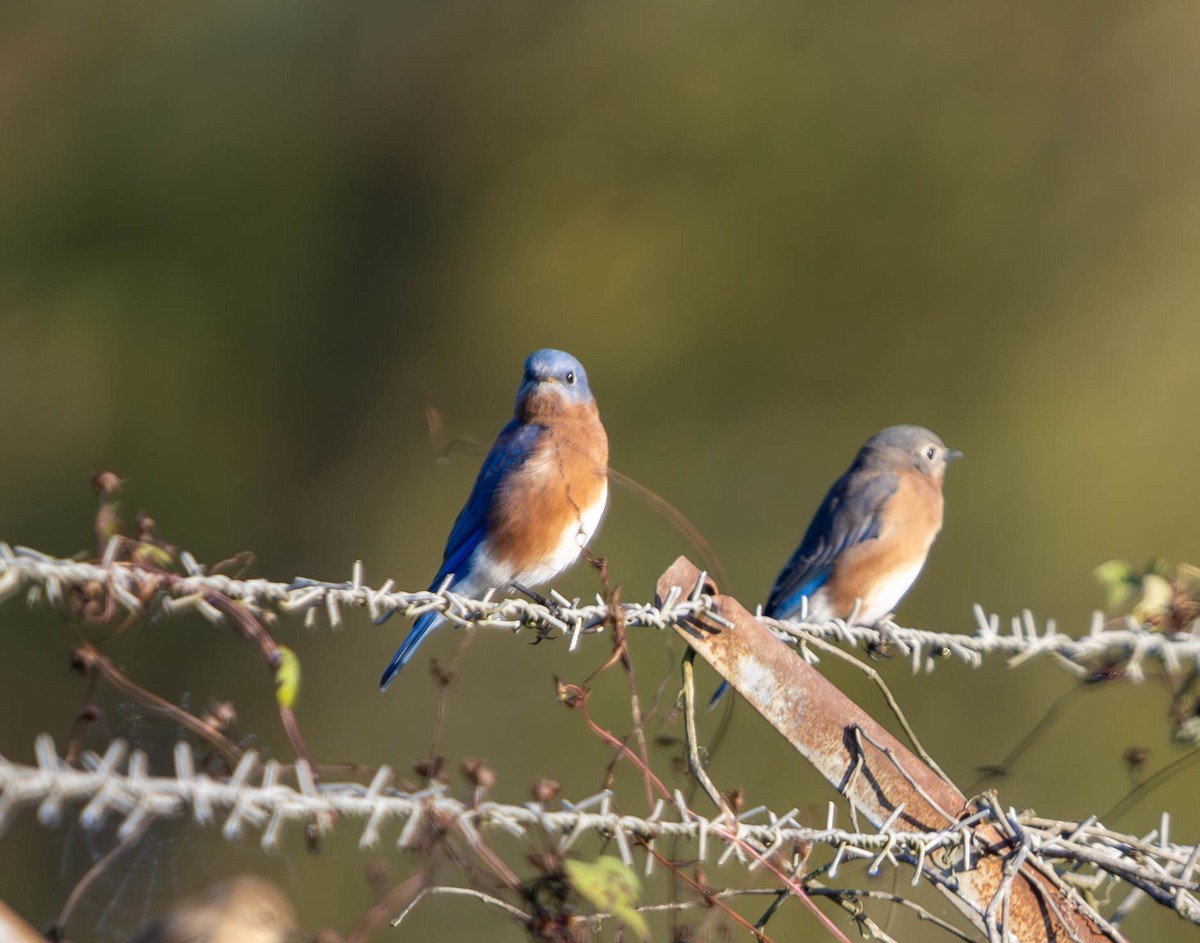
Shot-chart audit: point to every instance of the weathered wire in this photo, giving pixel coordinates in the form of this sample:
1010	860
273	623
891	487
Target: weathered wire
138	588
142	589
260	796
267	798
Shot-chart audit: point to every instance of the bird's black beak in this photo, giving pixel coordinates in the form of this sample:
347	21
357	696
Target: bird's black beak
952	455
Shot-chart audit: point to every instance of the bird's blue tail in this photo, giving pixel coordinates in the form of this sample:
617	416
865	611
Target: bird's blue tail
422	627
718	694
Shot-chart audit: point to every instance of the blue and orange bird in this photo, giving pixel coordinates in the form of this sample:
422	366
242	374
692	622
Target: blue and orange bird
869	539
537	500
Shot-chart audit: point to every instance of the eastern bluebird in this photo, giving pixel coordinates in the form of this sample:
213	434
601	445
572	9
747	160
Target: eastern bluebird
871	535
537	499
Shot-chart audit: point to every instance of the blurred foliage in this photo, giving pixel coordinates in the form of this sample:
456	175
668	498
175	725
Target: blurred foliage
1153	595
611	885
287	678
1137	589
245	248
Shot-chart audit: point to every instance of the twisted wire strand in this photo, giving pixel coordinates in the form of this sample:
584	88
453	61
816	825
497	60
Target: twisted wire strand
266	797
47	578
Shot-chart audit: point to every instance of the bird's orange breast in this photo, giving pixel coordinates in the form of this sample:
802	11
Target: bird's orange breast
560	489
912	518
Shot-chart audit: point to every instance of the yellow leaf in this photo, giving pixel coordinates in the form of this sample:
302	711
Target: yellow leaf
611	886
287	677
1120	582
155	555
1157	596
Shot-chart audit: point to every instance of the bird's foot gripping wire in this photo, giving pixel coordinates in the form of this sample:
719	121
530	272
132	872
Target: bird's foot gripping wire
545	629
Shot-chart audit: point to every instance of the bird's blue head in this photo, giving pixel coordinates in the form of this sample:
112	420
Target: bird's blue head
553	375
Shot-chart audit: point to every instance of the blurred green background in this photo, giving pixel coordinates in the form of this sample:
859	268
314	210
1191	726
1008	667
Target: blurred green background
245	247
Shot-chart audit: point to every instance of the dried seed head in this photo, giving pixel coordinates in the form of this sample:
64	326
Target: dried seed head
479	773
145	525
90	714
546	790
83	660
568	694
1135	756
432	767
220	714
106	484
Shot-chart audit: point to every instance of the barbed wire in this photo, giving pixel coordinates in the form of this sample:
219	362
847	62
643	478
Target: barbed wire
258	795
267	796
1129	644
142	589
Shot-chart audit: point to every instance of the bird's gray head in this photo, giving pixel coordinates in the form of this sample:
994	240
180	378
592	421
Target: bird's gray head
900	447
554	373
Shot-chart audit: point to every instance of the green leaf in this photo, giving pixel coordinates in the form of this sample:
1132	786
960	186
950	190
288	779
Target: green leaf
287	677
611	886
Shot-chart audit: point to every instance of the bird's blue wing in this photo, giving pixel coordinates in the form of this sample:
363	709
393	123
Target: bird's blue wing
513	446
849	515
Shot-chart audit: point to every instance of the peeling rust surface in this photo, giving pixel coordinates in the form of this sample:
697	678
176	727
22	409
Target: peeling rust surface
863	761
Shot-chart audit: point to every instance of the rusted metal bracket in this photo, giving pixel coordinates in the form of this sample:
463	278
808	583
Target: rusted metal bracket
883	780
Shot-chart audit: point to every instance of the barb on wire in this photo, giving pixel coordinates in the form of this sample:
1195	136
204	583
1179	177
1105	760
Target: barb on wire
45	577
257	796
260	797
267	798
128	583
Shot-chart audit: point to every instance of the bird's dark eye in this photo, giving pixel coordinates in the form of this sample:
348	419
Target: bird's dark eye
570	378
929	453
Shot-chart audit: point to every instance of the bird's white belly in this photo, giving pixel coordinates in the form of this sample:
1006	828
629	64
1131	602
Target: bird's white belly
881	600
887	593
575	537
